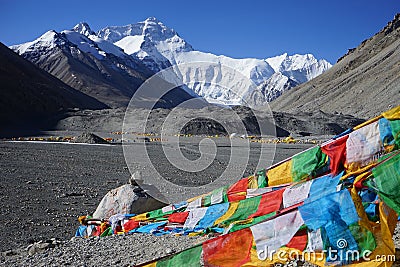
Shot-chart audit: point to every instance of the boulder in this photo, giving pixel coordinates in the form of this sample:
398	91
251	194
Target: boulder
126	199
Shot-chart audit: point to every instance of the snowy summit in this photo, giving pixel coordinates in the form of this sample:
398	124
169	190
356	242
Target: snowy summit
159	47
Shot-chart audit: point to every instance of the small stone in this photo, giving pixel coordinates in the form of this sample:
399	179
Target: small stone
28	247
10	253
43	246
32	250
137	189
136	178
74	238
118	261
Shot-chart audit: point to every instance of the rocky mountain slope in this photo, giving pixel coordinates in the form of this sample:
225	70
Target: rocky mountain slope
112	63
92	65
363	83
29	93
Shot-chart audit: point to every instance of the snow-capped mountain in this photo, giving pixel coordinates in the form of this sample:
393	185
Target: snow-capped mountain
125	50
300	68
160	47
99	69
291	71
150	40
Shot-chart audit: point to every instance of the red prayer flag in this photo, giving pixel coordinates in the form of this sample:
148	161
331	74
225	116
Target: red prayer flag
336	152
299	241
130	225
269	202
178	217
238	187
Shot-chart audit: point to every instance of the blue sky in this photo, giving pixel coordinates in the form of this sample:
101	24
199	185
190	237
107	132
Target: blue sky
238	29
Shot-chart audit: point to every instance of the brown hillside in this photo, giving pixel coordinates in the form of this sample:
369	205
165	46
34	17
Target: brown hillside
363	83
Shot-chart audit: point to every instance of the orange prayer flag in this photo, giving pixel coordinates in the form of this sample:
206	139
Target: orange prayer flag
228	250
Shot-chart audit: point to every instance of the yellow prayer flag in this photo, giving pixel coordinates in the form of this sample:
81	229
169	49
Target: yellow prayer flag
393	114
281	174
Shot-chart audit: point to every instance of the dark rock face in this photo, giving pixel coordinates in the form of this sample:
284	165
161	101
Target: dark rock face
203	126
30	94
392	25
279	124
315	123
89	138
101	79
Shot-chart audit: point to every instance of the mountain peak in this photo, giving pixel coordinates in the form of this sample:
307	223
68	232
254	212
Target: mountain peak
151	27
159	47
49	39
153	19
155	29
49	35
83	28
276	62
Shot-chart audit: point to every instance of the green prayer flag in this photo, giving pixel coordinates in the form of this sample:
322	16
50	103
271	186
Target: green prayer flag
107	232
157	214
365	239
256	220
387	179
395	125
245	208
262	178
189	258
207	200
217	194
310	163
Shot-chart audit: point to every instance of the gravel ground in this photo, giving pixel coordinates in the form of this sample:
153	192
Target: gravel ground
46	186
107	251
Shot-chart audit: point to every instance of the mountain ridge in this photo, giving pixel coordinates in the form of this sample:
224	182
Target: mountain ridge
95	67
171	49
364	82
150	46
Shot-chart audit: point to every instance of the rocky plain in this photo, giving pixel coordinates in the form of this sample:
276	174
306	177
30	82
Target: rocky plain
46	186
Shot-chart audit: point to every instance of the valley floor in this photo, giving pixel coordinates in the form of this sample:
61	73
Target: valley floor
46	186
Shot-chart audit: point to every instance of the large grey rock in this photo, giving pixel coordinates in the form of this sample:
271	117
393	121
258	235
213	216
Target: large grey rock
126	199
89	138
